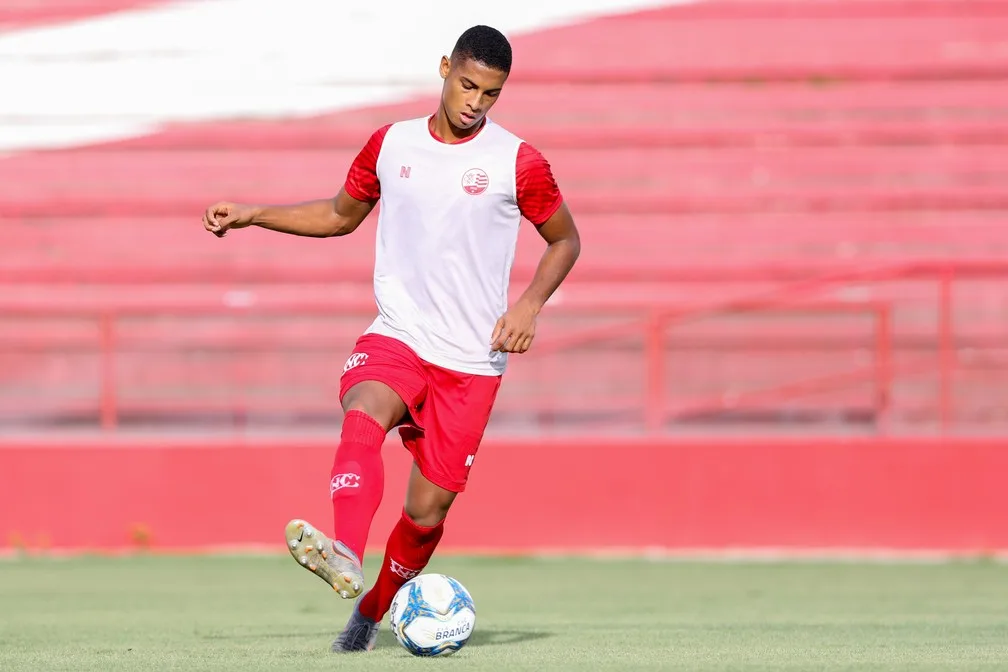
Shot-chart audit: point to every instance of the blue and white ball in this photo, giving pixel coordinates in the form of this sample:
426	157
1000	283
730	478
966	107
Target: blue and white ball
432	615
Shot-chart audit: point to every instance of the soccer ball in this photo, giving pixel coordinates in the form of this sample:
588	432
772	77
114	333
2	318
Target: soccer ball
432	615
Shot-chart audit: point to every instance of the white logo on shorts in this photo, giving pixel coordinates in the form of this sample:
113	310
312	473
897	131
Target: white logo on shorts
469	460
356	359
404	572
340	481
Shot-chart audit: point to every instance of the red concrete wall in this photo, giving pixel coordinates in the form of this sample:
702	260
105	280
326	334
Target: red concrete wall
800	494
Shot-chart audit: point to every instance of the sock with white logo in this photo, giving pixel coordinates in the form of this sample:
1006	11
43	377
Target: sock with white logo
357	480
409	549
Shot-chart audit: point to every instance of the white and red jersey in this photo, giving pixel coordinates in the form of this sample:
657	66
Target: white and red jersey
447	229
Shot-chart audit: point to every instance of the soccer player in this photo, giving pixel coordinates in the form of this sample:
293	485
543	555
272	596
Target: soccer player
453	188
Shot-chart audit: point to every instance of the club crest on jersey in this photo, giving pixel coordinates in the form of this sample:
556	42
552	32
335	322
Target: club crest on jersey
475	181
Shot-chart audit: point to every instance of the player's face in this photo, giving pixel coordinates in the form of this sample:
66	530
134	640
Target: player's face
470	90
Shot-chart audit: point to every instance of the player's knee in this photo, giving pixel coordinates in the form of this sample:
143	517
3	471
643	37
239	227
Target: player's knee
426	517
428	511
376	400
374	411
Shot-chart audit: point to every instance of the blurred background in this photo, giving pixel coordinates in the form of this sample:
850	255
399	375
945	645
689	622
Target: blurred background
787	327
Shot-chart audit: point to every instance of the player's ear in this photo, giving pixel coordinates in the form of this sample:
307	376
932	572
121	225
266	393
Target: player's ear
445	67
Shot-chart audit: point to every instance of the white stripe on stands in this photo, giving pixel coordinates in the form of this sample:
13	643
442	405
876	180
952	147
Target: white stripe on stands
123	75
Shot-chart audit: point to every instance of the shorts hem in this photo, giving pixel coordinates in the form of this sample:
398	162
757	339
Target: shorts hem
446	363
438	479
406	398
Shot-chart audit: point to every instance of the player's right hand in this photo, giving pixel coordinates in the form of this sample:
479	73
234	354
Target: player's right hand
221	217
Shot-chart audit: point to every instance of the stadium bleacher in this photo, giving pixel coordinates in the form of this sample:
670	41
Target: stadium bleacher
832	135
31	13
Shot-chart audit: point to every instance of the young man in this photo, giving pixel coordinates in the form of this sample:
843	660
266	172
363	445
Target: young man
453	188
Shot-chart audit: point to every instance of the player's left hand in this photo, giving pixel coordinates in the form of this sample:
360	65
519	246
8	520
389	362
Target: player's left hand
515	329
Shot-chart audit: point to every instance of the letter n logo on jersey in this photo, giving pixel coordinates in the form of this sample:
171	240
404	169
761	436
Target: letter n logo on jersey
475	181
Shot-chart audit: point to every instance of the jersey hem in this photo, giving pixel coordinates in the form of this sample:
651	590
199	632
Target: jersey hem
437	359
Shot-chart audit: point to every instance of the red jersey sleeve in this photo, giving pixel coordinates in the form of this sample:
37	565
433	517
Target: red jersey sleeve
362	178
538	194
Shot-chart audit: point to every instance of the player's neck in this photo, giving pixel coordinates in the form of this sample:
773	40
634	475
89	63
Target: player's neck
448	133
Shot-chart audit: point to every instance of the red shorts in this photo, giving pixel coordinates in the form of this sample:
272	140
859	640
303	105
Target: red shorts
450	410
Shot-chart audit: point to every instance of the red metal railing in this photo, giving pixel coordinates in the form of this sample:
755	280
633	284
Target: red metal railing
943	274
653	324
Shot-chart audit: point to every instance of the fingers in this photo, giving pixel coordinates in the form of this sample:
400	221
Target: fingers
498	331
504	342
208	221
508	339
513	333
216	219
520	342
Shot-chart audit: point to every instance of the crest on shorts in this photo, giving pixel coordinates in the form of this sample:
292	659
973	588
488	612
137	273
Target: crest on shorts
355	360
475	181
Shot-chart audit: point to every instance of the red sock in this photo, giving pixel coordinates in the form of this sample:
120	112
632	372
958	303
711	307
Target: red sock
357	480
409	549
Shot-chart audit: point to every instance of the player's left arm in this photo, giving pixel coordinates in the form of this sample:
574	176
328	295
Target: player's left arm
540	201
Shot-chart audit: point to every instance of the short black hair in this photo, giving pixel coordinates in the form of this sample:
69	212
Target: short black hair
485	45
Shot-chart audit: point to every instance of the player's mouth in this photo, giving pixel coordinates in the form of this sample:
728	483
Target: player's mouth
467	119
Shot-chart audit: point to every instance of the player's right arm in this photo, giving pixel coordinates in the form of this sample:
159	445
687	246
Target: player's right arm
319	219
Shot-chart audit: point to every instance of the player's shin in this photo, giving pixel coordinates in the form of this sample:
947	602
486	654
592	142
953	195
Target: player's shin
409	549
357	480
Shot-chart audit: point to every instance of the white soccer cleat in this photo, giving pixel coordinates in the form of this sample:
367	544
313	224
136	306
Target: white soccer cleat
327	559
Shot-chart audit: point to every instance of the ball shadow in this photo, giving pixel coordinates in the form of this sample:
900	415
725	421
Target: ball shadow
483	637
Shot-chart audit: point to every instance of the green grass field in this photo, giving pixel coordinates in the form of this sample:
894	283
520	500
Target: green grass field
254	613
